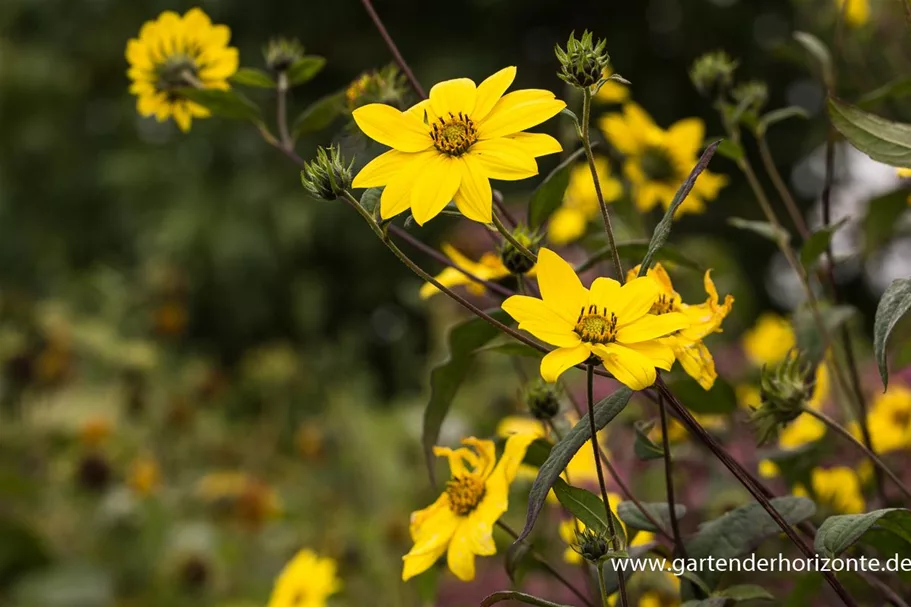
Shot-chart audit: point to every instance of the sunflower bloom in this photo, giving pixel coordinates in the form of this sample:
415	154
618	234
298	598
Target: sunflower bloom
450	146
306	581
769	340
658	161
608	321
580	201
489	267
460	523
838	487
175	52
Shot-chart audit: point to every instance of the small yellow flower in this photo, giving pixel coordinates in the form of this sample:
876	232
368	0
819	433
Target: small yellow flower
580	201
489	267
450	146
768	469
769	340
175	52
612	91
838	487
857	12
658	161
889	420
95	431
609	321
705	319
460	523
306	581
145	476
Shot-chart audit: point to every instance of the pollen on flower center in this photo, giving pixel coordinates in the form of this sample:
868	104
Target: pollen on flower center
454	135
465	493
657	164
664	304
596	327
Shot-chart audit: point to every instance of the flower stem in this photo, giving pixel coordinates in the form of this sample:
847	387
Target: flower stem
841	430
282	111
504	231
680	549
615	541
587	145
769	163
403	65
602	586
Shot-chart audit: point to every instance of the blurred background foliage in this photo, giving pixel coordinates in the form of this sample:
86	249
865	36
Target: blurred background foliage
175	301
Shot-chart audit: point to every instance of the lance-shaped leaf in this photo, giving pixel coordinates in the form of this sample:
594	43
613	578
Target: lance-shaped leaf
818	243
304	69
776	116
636	250
880	139
838	533
227	104
587	507
644	447
763	228
633	517
892	307
521	597
318	115
820	52
249	76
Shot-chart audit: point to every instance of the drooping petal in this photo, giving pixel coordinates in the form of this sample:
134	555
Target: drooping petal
449	277
635	299
651	326
434	541
434	186
391	127
539	319
474	197
503	159
537	144
560	287
518	111
382	169
513	454
455	96
698	363
557	361
480	534
660	353
486	451
628	366
490	91
416	526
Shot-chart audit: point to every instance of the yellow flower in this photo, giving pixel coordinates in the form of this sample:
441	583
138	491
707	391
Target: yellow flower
609	321
248	499
838	487
889	420
568	528
306	581
489	267
748	396
94	431
175	52
448	147
705	318
677	432
580	201
768	469
903	173
460	523
658	161
611	91
769	340
145	476
857	12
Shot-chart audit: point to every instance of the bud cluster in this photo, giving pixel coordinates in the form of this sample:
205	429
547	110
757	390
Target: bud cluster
326	177
713	73
387	85
281	53
784	392
514	260
542	399
584	61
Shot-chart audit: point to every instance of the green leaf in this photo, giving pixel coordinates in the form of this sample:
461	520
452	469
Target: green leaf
820	52
838	533
318	115
809	341
882	219
571	115
644	447
663	229
563	452
630	514
746	592
21	551
779	115
370	200
587	507
880	139
514	559
731	150
304	69
714	601
818	243
764	229
537	453
249	76
447	377
514	348
636	250
227	104
512	595
892	90
548	196
894	304
739	531
720	399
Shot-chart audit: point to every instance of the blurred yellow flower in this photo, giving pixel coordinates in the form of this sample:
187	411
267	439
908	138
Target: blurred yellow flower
768	469
904	174
769	340
748	396
489	267
857	12
580	201
450	146
460	523
175	52
306	581
145	476
889	420
677	432
611	91
94	431
309	440
837	487
609	321
806	428
658	161
245	498
705	319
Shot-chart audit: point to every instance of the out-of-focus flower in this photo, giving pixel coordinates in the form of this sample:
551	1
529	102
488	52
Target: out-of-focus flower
889	420
450	146
769	340
658	160
490	267
857	12
580	201
170	318
611	91
677	432
837	487
308	580
175	52
705	319
95	431
713	73
309	440
904	174
94	473
387	85
145	476
609	321
460	523
281	53
240	496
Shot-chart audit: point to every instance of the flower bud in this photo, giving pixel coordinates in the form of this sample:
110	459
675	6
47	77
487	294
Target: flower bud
387	86
281	53
326	177
592	546
583	61
784	392
543	399
514	260
713	73
753	95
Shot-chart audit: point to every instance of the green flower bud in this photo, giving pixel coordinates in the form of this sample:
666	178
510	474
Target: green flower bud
387	85
592	546
583	61
326	177
713	73
281	53
753	95
543	399
514	260
784	392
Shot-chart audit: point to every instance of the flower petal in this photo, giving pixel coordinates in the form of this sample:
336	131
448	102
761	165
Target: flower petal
537	144
475	197
651	326
698	363
661	354
518	111
389	126
460	557
436	533
604	292
503	159
629	367
455	96
635	299
513	454
490	91
396	196
557	361
536	317
560	288
434	186
382	169
685	137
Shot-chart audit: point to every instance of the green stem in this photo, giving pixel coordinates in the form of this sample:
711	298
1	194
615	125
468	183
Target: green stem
602	586
504	231
790	204
586	144
282	111
680	549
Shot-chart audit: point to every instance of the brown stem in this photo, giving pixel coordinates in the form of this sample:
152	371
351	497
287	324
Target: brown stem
680	549
790	204
403	65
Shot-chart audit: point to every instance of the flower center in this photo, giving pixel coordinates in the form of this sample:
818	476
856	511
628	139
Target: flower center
454	135
664	304
177	71
901	418
465	493
594	327
657	165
